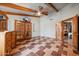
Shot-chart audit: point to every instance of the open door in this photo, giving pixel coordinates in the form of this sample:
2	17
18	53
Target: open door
75	32
59	30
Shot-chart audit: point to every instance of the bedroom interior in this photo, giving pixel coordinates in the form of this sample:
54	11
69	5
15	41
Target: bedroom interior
39	29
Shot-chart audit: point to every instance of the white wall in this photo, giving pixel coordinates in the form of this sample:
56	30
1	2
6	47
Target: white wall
35	26
47	27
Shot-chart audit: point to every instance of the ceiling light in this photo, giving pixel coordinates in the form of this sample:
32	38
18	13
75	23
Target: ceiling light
39	13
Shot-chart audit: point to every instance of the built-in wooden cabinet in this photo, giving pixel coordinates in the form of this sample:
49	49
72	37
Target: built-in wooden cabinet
29	30
23	30
3	24
19	28
13	39
10	42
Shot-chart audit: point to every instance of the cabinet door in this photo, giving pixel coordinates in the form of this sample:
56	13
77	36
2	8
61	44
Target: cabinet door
3	25
30	26
75	31
8	43
13	40
59	30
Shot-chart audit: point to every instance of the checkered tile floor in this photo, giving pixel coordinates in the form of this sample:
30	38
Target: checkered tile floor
42	46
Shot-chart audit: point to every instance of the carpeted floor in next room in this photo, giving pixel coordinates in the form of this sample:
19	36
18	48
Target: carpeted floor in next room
43	46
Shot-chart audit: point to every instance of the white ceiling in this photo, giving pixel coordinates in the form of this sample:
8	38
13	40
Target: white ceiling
33	6
60	5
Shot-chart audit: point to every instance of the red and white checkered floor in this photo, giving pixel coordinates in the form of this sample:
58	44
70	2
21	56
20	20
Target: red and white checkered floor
42	46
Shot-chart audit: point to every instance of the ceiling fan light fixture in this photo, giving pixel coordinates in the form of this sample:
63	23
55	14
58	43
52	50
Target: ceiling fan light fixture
39	13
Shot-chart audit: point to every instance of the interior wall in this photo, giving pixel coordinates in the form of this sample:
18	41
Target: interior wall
35	26
47	26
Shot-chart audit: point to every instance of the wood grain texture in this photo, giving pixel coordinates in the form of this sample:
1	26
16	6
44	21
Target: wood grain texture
11	5
75	32
19	14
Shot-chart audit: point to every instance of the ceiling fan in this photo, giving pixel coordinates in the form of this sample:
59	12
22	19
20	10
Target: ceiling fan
42	10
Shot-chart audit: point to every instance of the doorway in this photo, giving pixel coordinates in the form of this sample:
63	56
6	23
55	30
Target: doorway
67	32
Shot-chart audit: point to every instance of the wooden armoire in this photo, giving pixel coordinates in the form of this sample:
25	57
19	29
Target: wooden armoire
23	30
